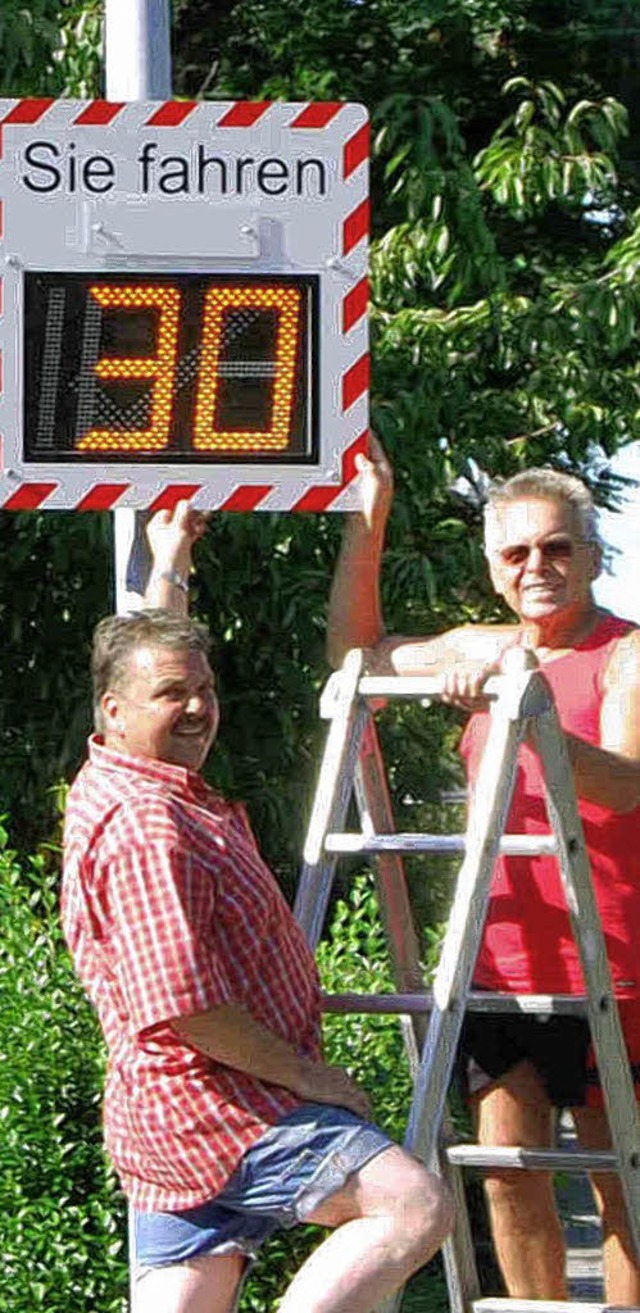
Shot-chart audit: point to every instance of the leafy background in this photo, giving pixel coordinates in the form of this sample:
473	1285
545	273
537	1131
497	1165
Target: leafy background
504	273
506	239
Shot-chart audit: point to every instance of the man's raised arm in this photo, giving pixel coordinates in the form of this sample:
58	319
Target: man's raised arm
172	535
355	610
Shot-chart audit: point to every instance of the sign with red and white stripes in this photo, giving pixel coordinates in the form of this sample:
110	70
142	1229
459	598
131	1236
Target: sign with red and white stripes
183	304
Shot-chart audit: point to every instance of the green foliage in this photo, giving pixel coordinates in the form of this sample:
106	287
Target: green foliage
78	56
504	275
50	47
28	33
506	242
54	586
61	1220
354	959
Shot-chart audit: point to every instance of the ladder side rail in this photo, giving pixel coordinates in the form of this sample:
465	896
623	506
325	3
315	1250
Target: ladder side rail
462	940
606	1030
461	944
316	878
376	815
348	717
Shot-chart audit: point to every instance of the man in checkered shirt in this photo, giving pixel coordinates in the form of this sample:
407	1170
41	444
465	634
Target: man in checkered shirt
221	1117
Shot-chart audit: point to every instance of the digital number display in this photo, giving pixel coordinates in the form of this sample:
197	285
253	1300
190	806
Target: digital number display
181	367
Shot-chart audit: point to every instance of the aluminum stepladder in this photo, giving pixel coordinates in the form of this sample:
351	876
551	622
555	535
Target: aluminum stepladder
352	765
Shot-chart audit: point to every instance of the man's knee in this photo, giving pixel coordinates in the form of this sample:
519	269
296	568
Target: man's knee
413	1205
422	1210
435	1214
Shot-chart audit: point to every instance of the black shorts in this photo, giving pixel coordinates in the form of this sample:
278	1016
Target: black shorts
556	1045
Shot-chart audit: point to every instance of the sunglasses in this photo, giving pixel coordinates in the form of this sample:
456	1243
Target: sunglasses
552	551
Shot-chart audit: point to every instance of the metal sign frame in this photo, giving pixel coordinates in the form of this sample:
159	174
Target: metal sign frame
229	188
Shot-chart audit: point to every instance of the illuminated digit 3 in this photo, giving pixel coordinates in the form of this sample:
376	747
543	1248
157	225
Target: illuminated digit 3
161	367
286	301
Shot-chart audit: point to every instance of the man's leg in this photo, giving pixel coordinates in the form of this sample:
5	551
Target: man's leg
202	1285
621	1270
390	1217
526	1230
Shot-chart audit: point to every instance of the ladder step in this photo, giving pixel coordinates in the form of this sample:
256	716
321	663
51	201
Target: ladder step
417	1004
495	1305
572	1160
412	686
511	845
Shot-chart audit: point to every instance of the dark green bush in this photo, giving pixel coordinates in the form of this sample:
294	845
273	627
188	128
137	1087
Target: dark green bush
61	1217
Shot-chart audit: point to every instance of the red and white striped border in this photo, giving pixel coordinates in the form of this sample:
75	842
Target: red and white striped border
27	495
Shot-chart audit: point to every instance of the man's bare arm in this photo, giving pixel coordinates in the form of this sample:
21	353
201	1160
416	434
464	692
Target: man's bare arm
610	774
230	1035
355	613
172	535
471	649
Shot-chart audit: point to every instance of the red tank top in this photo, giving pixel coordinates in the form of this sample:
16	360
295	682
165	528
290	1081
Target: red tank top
528	946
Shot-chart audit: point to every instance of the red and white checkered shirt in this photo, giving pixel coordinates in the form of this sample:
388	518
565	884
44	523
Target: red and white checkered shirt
168	909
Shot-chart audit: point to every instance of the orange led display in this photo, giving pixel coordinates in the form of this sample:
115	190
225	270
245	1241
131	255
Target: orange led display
219	302
187	366
161	367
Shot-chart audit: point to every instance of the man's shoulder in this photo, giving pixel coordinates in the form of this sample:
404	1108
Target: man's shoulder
623	666
105	801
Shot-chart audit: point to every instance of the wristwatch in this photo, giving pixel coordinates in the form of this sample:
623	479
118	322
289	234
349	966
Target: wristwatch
172	577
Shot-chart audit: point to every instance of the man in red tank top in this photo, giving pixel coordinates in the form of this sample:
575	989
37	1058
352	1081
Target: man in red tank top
543	555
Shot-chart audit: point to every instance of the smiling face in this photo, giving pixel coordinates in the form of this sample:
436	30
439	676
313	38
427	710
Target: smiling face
539	560
165	708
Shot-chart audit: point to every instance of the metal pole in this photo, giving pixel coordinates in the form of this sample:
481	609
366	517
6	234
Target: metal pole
138	67
138	49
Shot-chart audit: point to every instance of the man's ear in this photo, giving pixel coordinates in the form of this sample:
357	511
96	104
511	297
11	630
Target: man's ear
111	707
597	556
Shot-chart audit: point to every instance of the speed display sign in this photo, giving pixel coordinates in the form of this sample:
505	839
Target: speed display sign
184	300
183	367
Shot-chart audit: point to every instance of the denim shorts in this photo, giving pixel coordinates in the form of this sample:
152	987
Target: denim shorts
280	1181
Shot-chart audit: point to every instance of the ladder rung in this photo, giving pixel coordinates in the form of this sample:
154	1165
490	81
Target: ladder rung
511	845
398	686
497	1305
411	686
556	1160
409	1004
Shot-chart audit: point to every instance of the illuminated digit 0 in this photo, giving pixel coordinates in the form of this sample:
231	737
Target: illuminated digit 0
286	301
161	368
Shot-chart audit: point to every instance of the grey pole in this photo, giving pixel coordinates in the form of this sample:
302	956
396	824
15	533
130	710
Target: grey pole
138	67
138	49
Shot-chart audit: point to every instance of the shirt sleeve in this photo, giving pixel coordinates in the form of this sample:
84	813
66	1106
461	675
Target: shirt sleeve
159	894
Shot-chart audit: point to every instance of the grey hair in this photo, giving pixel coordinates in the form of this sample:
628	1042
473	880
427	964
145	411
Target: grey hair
117	636
546	484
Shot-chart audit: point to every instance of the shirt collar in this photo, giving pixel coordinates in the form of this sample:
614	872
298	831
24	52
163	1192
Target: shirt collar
178	778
